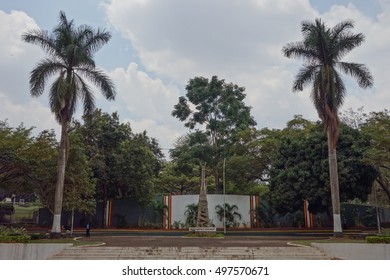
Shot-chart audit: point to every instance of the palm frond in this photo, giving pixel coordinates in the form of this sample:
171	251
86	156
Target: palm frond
72	96
344	43
63	22
43	39
101	80
299	50
338	91
41	73
341	28
87	96
317	96
97	40
305	76
57	95
358	71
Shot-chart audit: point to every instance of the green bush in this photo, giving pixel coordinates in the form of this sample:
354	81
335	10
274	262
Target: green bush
13	235
206	234
378	239
14	239
12	231
36	236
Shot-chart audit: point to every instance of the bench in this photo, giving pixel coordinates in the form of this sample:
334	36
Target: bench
202	229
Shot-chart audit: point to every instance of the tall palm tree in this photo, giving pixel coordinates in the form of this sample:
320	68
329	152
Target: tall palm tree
70	51
322	49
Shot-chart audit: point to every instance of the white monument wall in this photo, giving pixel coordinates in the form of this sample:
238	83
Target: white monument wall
179	203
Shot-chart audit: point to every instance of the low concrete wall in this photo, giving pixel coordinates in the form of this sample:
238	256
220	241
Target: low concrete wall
355	251
18	251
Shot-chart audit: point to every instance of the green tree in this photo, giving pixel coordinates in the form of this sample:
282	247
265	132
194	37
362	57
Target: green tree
377	128
70	51
14	150
137	167
171	180
43	162
299	169
124	164
247	162
322	49
102	135
79	186
230	212
189	153
218	107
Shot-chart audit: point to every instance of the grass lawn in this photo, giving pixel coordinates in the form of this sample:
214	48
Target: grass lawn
24	212
65	240
330	240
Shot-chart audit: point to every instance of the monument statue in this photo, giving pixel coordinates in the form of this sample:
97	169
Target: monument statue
203	211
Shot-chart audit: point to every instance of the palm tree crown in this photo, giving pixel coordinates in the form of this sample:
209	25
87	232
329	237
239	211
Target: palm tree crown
322	49
70	51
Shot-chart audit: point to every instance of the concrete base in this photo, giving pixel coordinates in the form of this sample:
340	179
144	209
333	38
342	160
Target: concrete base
18	251
355	251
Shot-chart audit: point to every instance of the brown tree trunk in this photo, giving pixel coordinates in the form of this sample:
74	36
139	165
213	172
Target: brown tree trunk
59	192
334	187
105	199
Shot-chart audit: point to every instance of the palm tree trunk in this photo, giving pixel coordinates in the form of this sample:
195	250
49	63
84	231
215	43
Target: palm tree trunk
334	187
59	192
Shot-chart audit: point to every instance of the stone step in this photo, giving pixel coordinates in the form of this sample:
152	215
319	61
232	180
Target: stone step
181	253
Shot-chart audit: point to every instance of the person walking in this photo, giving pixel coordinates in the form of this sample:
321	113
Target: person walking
87	230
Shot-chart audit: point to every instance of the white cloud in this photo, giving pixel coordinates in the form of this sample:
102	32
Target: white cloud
179	39
146	103
17	59
31	114
142	95
241	42
164	134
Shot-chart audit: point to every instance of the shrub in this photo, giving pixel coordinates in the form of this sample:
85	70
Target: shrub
11	231
36	236
378	239
13	235
14	239
205	234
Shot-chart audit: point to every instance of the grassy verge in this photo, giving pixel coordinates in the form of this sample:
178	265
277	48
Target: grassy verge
66	240
330	240
205	235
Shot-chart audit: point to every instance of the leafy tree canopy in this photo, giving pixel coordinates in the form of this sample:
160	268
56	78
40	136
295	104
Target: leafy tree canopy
299	169
377	129
218	109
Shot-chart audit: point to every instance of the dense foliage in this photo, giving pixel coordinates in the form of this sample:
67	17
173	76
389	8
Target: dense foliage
219	108
299	169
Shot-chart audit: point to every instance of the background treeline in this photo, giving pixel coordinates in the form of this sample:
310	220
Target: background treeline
106	159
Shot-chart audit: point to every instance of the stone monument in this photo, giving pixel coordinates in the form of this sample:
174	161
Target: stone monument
203	211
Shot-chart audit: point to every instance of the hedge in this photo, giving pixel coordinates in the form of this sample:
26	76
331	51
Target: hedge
14	239
378	239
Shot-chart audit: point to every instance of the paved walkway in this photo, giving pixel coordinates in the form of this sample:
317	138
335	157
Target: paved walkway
180	241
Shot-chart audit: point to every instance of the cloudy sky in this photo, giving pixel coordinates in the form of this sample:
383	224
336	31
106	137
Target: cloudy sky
158	45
